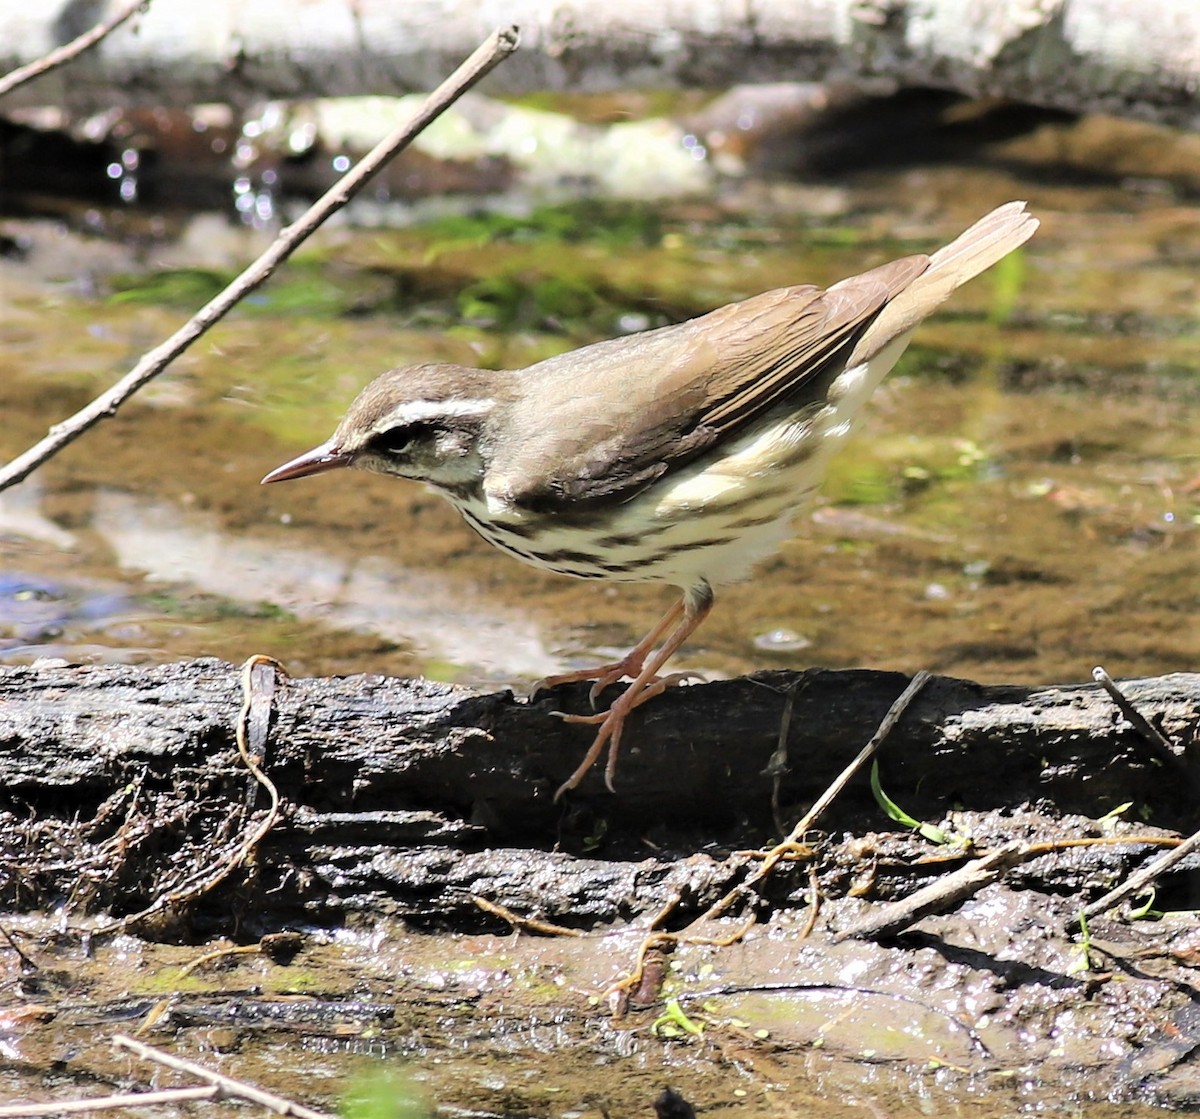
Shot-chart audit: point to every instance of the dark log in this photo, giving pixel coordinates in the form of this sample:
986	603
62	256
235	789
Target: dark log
408	796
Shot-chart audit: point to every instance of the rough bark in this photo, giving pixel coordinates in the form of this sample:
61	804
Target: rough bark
1129	58
409	797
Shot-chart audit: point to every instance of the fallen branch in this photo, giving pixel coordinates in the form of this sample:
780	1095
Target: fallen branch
413	798
938	897
1134	58
225	1086
1138	881
108	1103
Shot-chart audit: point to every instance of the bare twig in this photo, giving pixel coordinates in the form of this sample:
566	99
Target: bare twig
844	778
937	897
498	46
792	844
814	902
73	49
218	954
108	1103
1153	737
227	1086
258	689
1140	880
26	962
259	676
777	764
519	923
640	975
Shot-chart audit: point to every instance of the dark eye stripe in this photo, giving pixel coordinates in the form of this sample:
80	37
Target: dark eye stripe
397	440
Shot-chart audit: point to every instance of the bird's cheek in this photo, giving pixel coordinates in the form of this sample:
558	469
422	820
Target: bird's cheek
451	445
375	464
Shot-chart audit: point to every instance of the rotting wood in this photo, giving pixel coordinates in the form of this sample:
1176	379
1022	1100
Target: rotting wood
411	798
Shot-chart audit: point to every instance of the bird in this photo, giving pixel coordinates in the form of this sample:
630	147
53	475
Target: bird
678	455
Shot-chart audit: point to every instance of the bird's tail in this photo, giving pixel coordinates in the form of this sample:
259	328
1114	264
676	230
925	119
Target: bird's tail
987	241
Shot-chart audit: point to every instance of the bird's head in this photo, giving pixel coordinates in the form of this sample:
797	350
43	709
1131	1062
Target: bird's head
424	422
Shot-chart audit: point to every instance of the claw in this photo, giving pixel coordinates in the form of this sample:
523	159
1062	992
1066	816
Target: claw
689	613
630	665
592	720
609	679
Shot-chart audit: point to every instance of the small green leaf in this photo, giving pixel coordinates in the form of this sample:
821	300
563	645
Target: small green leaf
1144	911
1116	813
673	1020
894	812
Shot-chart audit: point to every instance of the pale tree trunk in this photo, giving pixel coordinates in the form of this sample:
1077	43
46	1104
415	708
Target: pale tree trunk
1136	58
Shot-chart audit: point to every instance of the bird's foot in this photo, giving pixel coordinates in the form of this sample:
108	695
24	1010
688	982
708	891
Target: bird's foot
611	723
656	685
604	675
631	664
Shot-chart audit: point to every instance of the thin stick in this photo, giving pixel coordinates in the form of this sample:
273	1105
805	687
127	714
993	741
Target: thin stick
1139	881
237	1089
219	954
864	755
938	897
1159	743
68	51
789	845
499	45
777	764
26	962
107	1103
529	924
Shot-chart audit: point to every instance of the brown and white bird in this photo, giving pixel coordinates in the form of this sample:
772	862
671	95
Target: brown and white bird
678	455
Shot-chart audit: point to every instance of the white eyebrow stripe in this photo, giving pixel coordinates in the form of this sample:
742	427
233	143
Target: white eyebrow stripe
421	411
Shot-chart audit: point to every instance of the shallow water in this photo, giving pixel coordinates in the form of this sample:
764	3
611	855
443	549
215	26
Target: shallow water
1022	501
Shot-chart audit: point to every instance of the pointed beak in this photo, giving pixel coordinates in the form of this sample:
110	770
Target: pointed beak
317	461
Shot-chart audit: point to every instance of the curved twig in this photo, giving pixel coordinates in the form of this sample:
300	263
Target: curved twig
61	55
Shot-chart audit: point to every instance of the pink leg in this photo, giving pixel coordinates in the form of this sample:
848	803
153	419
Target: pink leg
694	608
630	665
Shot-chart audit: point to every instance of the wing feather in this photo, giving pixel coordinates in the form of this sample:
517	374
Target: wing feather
664	398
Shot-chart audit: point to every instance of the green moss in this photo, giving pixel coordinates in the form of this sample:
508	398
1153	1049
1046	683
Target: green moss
383	1093
177	287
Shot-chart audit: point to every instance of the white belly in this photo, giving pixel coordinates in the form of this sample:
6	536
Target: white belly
711	521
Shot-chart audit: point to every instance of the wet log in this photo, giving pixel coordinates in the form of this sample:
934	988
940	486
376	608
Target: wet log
411	797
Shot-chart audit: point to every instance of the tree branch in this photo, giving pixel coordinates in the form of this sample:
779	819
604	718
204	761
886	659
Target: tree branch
62	55
499	45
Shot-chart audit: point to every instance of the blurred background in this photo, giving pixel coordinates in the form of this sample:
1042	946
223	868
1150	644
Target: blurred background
1021	502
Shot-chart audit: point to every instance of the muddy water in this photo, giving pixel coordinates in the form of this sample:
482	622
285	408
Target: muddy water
1021	503
496	1025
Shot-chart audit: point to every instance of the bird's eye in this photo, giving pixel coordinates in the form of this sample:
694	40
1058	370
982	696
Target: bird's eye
399	440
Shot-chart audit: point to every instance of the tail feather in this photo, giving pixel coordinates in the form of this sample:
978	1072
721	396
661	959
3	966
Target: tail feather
978	248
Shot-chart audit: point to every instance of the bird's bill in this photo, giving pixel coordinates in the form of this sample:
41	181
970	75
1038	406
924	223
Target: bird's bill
317	461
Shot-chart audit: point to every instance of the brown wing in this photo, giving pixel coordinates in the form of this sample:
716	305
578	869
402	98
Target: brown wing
603	422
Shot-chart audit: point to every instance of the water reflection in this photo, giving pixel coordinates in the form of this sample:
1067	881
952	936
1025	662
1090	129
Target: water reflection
447	620
21	516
